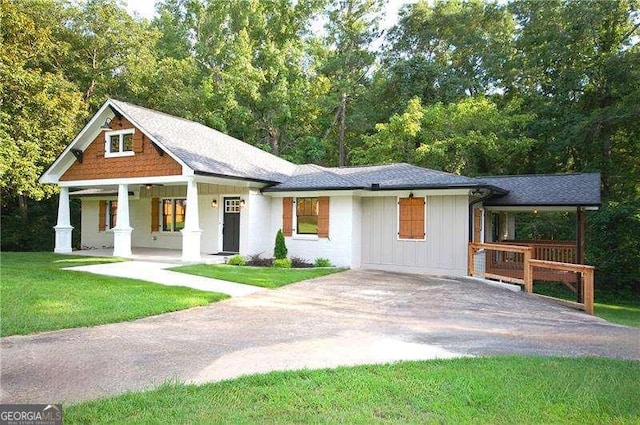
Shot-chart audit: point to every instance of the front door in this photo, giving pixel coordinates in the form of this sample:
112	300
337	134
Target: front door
231	225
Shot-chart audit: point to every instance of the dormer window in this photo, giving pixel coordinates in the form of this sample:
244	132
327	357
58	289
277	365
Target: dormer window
119	143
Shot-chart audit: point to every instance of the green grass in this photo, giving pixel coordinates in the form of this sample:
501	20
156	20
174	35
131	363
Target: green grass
496	390
623	309
266	277
36	295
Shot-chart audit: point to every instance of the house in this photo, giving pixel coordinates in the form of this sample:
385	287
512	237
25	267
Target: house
148	179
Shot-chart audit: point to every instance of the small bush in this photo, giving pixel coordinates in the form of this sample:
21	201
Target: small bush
256	261
283	263
237	260
280	251
300	263
322	262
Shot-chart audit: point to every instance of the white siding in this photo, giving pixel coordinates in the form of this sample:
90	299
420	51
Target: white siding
444	252
260	238
90	236
338	248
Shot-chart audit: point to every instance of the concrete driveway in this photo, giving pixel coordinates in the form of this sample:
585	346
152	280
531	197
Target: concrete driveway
353	317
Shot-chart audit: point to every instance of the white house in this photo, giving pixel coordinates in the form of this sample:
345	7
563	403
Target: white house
148	179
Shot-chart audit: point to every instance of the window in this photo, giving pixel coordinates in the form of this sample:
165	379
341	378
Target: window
173	214
112	214
119	143
232	206
411	218
307	216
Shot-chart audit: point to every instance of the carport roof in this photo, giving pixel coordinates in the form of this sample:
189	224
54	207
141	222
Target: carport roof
580	189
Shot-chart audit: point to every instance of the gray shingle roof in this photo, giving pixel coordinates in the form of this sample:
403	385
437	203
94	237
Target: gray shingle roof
206	150
389	176
209	151
547	189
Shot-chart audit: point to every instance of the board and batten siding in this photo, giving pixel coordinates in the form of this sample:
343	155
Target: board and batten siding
444	250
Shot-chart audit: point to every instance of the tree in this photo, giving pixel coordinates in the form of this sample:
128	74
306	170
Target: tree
450	49
40	106
280	249
352	25
104	41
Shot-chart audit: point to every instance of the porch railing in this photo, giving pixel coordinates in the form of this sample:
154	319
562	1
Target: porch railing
515	264
560	251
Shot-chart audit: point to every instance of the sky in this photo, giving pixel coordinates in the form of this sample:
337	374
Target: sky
145	8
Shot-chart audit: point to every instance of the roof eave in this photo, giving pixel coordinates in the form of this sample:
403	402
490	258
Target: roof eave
227	176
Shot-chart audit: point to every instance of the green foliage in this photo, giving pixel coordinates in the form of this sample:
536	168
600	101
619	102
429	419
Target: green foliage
37	295
38	234
614	247
282	263
485	390
322	262
40	106
280	250
237	260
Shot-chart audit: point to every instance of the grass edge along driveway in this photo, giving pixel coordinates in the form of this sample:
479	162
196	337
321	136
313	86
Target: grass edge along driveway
37	295
265	277
504	390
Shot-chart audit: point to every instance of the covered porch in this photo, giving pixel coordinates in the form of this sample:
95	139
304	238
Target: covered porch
504	248
182	219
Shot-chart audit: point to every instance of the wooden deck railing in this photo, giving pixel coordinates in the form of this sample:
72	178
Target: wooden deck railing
560	251
515	264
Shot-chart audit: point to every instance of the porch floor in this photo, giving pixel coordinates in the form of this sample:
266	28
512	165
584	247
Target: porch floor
153	254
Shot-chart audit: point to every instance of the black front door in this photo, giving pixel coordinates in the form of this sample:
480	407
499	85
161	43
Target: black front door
231	225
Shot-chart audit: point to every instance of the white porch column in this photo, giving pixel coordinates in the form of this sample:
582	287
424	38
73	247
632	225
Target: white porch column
63	226
122	231
191	232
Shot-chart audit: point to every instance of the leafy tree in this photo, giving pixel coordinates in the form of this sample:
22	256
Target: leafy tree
104	41
40	106
352	25
470	137
450	49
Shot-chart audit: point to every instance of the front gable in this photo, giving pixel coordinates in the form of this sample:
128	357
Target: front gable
145	159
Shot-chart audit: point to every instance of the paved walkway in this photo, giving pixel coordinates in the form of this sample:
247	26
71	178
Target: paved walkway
354	317
156	272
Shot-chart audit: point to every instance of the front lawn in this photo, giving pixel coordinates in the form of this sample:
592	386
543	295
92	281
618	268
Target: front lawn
38	296
501	390
623	309
266	277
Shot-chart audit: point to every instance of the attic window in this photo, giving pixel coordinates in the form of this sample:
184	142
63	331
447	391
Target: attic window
119	143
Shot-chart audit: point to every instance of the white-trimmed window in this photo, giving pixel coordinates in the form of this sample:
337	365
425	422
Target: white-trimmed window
119	143
307	216
173	214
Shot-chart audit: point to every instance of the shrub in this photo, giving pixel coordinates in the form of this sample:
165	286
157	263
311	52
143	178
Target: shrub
280	251
256	261
322	262
237	260
300	263
283	263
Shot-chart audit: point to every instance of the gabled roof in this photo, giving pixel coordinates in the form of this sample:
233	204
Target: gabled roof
546	190
386	177
209	152
205	150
